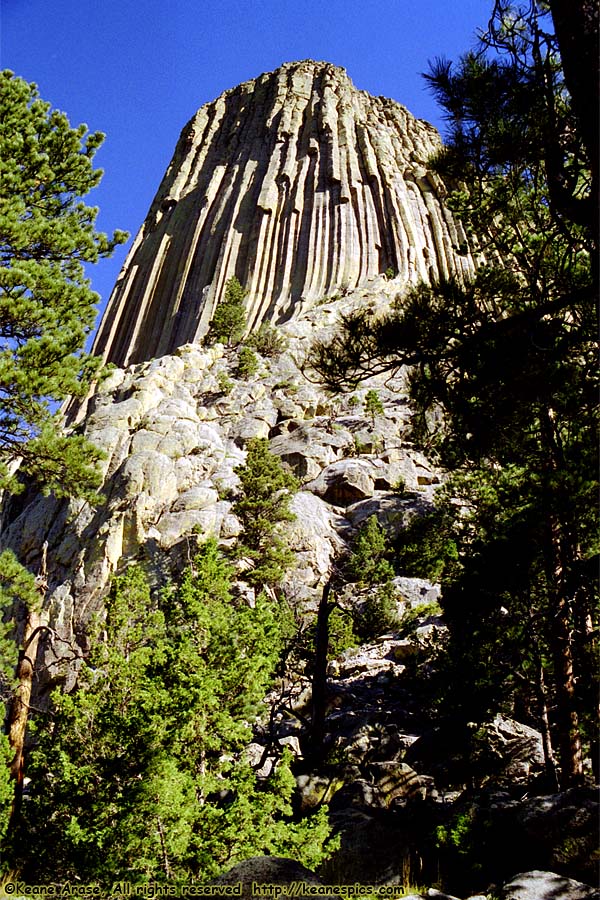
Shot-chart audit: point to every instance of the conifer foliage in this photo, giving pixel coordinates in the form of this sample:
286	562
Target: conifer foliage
229	319
46	306
504	383
263	507
140	773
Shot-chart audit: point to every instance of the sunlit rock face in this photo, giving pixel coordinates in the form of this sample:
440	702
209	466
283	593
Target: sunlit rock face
301	186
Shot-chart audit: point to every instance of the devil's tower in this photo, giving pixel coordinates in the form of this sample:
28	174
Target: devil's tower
307	190
297	183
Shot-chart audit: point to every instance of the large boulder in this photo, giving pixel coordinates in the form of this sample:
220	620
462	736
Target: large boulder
344	482
538	885
563	830
267	870
503	749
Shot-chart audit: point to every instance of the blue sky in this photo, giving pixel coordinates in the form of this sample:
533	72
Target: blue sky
139	70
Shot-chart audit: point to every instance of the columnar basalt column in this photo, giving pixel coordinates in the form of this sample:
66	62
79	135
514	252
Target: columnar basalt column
297	183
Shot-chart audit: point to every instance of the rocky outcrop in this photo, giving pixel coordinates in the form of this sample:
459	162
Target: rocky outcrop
300	185
174	429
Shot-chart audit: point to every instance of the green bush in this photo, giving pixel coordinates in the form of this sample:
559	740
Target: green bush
224	383
373	406
378	614
368	563
247	363
268	341
229	318
263	508
140	774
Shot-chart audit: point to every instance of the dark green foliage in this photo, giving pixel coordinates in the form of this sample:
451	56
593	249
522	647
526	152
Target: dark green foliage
229	319
262	508
341	636
268	340
504	386
378	614
426	547
19	595
369	563
139	774
47	309
17	585
247	363
373	406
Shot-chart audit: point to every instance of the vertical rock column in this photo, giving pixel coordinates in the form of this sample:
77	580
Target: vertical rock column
297	183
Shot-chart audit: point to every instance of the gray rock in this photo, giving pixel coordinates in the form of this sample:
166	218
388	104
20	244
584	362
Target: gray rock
312	535
518	744
538	885
344	482
267	870
198	497
417	591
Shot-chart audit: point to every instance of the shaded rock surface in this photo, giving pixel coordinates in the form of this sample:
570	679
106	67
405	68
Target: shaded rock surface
537	885
268	870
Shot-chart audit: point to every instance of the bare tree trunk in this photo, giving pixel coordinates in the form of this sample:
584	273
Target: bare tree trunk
163	849
571	756
542	698
319	681
19	708
559	555
549	761
18	713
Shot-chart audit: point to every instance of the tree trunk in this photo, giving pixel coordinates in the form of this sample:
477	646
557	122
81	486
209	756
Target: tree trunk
18	712
559	555
163	850
576	28
19	708
542	699
569	737
549	761
319	681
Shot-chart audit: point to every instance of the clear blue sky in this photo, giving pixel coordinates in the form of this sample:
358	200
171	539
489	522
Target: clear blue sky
139	70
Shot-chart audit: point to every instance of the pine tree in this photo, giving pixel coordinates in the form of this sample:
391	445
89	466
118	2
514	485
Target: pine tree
140	774
368	563
373	406
262	508
229	319
47	309
508	358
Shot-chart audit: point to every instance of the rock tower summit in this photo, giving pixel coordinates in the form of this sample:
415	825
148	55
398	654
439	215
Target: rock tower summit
297	183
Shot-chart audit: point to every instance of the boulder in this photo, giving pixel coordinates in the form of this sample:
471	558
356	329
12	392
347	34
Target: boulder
267	870
312	536
503	749
344	482
538	885
563	830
